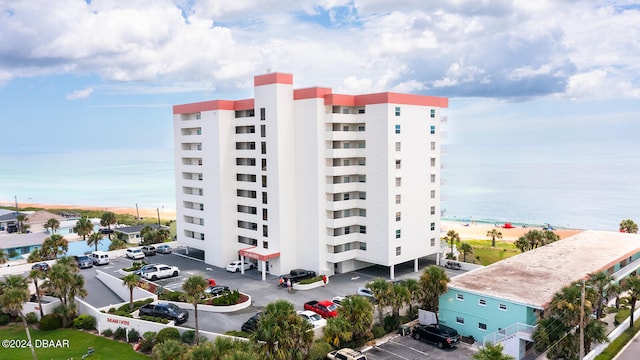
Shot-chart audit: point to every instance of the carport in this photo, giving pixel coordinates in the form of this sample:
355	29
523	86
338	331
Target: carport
259	254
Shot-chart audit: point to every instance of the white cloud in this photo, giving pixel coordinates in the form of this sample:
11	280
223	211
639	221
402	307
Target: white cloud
79	94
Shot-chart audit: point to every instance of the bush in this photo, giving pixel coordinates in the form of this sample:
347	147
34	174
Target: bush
120	333
319	350
134	335
167	333
4	319
230	298
391	323
50	322
107	333
378	331
146	344
172	296
154	319
237	333
84	321
188	337
311	280
32	318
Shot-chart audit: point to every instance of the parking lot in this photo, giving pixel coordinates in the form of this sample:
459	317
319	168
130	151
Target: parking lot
407	348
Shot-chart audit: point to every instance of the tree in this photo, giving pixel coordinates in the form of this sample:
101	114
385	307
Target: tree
548	237
400	295
493	234
84	228
281	333
194	288
632	285
451	238
22	225
131	281
337	331
534	238
3	257
522	244
15	292
52	224
37	275
35	256
381	290
491	352
433	283
65	283
466	248
413	287
53	246
601	285
628	226
117	244
108	218
94	239
358	312
169	350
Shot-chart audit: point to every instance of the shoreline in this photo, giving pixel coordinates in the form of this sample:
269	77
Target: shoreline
165	213
477	230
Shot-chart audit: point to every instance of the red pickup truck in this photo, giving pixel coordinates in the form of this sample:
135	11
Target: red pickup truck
324	308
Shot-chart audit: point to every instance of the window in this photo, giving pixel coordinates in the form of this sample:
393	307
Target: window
433	210
432	129
263	113
459	320
433	113
362	195
397	110
433	194
346	162
398	251
363	246
264	164
347	230
345	127
265	244
433	242
397	128
398	234
265	230
398	215
433	226
265	214
263	147
502	307
264	197
433	145
264	181
482	302
398	181
398	163
482	326
433	162
398	199
345	196
263	130
363	229
398	146
197	116
362	212
460	297
433	178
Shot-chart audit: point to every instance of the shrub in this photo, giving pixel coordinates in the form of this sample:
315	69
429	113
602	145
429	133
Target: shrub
237	333
112	310
391	323
84	321
4	319
378	331
154	319
146	344
32	318
311	280
230	298
50	322
167	333
319	350
134	335
120	333
107	333
172	296
188	337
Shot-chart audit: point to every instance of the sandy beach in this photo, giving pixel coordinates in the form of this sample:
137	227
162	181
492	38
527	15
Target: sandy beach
165	213
478	231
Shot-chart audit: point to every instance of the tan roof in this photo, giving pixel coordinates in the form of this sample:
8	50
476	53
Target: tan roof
42	216
533	277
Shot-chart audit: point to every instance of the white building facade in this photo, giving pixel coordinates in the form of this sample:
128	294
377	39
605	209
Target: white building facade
309	179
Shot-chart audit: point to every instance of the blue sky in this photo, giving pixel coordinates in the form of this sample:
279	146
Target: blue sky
104	74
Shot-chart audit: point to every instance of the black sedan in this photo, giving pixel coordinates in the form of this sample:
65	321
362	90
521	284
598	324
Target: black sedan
41	267
217	290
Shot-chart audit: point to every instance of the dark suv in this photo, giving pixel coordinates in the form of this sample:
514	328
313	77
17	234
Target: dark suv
442	336
250	325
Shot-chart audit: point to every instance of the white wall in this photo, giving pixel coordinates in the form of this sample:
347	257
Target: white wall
116	285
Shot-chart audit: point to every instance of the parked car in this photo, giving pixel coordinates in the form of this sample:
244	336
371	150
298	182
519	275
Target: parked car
338	300
297	275
168	311
83	261
314	319
100	258
236	266
160	271
442	336
363	291
149	250
346	354
216	290
164	249
135	253
324	308
144	268
249	326
41	267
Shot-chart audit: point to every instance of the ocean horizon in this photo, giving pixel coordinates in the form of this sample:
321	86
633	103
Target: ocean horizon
578	185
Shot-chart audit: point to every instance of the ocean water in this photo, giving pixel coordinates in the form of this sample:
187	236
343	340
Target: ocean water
578	185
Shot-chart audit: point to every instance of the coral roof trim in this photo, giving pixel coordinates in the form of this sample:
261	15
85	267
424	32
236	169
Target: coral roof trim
245	104
273	78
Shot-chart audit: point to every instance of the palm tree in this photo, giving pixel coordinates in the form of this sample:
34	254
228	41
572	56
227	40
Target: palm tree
451	238
94	239
493	234
22	227
37	275
53	246
466	248
433	283
491	352
83	228
358	312
3	257
163	234
522	244
65	283
382	293
169	350
52	224
628	226
601	284
337	331
117	244
548	237
35	256
535	238
281	333
400	295
194	288
413	287
632	284
15	292
108	218
131	281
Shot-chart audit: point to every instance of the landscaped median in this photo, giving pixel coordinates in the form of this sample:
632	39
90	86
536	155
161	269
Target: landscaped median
308	284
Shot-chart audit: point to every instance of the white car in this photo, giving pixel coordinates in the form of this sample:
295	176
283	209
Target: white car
338	300
156	272
314	319
366	292
135	253
235	266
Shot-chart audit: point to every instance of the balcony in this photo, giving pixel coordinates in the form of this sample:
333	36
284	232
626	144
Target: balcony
345	204
345	135
344	239
346	170
345	153
345	187
343	256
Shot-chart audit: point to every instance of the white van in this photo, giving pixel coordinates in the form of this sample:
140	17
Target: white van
100	257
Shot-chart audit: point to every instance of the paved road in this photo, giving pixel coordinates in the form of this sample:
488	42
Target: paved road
407	348
631	351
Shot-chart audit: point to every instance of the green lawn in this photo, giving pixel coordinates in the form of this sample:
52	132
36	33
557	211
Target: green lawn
78	343
488	255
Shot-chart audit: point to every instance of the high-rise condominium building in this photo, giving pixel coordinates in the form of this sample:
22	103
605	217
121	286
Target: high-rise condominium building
305	178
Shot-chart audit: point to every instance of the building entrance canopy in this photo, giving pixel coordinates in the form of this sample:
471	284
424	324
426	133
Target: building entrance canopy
257	253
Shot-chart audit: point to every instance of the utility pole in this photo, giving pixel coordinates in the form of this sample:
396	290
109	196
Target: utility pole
582	295
137	215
